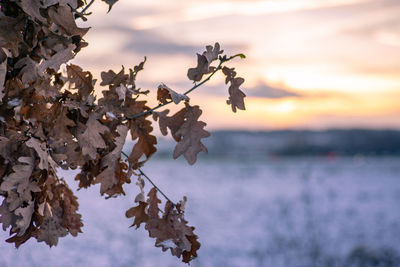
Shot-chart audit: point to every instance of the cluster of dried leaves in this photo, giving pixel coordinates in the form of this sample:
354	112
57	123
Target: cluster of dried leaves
50	119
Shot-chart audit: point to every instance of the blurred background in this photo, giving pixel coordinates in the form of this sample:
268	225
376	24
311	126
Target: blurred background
308	175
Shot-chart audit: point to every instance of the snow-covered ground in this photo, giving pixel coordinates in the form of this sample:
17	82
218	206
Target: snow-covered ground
280	212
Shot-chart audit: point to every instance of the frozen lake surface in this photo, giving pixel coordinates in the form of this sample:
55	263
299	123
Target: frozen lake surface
280	212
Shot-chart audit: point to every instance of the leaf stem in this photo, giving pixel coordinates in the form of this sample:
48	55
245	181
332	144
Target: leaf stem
148	179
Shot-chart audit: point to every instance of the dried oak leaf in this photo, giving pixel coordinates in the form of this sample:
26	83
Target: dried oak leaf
112	177
230	73
57	59
90	139
51	228
19	179
174	122
71	220
191	132
187	256
23	221
4	147
11	30
163	95
3	72
174	96
40	147
139	212
203	67
64	19
133	73
8	217
140	129
87	174
212	53
29	69
153	202
110	3
172	232
32	8
111	78
71	3
45	88
61	125
236	96
81	80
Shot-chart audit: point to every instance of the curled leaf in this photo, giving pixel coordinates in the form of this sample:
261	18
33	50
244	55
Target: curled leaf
164	93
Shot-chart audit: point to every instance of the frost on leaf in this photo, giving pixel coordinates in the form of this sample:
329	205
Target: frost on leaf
164	93
212	53
191	132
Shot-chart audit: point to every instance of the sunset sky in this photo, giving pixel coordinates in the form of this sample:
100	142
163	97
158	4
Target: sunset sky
310	63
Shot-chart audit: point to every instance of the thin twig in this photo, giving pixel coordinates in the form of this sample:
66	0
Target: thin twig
87	6
82	13
150	111
148	179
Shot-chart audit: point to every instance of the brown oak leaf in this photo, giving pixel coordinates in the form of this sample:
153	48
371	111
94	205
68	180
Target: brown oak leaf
57	59
32	8
3	72
140	129
112	177
40	147
212	53
110	3
230	73
191	133
51	229
111	78
11	30
176	97
81	80
236	96
90	139
196	74
71	3
19	179
29	69
139	213
64	19
174	122
71	219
